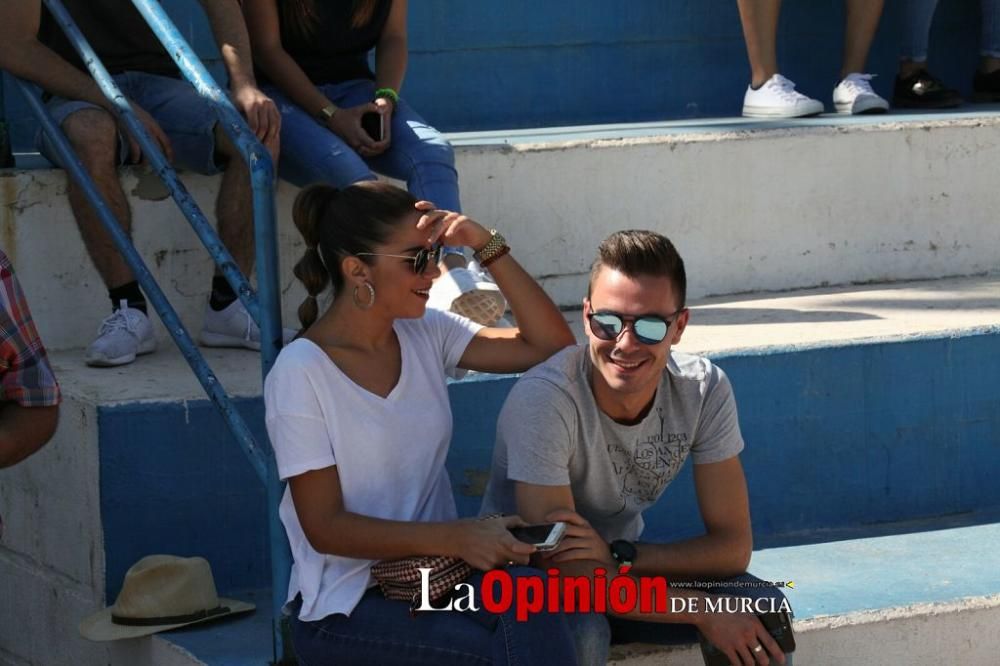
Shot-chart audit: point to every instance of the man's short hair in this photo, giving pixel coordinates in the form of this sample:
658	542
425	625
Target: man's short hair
637	252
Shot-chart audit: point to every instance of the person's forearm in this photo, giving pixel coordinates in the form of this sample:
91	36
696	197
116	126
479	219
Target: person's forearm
31	60
230	32
539	320
364	537
288	77
707	556
23	430
390	62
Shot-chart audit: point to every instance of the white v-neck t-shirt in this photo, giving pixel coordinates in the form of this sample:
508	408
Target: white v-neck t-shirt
389	452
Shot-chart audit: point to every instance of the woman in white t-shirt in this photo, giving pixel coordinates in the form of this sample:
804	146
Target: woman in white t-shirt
359	417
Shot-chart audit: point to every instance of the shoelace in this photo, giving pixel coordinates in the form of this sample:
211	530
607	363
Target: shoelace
859	84
118	320
784	89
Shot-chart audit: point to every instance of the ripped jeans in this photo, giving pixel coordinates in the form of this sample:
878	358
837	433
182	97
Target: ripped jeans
417	155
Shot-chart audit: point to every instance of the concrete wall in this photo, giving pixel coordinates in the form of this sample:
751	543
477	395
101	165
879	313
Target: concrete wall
478	65
751	210
52	551
842	442
838	438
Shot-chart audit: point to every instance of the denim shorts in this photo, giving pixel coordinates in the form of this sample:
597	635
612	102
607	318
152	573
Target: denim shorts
187	119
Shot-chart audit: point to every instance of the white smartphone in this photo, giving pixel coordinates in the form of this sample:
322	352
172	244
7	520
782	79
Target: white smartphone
542	537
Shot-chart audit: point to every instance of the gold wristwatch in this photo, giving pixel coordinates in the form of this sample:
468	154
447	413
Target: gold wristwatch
495	248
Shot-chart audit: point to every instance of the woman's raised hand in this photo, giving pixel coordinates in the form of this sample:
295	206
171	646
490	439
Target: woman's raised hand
450	228
488	544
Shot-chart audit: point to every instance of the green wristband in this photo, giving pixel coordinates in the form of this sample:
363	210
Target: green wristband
389	94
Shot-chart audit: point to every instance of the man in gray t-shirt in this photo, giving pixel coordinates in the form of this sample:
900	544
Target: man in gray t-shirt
594	435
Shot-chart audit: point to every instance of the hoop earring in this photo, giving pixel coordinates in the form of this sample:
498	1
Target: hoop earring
371	296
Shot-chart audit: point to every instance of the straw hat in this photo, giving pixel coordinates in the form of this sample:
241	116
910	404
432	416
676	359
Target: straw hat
161	592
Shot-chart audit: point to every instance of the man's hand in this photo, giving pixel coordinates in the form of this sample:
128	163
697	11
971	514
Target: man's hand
159	136
260	111
742	638
581	542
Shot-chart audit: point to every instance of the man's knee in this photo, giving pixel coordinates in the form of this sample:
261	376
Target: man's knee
93	134
591	637
228	155
438	151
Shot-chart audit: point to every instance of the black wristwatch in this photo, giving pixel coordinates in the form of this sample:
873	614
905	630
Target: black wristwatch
624	553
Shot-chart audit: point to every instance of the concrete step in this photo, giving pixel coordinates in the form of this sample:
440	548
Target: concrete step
751	205
922	598
851	396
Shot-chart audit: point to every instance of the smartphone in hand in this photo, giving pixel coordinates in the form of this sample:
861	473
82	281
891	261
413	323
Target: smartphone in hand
542	537
374	125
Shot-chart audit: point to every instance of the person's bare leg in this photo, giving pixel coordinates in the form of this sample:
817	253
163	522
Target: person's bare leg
760	31
234	206
862	22
94	136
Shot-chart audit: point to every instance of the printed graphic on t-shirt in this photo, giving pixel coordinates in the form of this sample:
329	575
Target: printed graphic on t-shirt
645	466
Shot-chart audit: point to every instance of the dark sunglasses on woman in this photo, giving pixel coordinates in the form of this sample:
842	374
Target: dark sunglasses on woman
649	329
421	260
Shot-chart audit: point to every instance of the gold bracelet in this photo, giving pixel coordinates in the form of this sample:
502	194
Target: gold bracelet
491	249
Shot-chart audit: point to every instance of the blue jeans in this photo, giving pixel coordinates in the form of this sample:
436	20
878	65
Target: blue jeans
593	633
185	117
381	631
417	154
918	14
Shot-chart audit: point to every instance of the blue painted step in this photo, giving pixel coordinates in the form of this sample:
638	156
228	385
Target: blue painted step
838	437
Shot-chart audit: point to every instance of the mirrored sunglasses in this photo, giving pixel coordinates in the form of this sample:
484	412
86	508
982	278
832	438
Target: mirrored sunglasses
649	329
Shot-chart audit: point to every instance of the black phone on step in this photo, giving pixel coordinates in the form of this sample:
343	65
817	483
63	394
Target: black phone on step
373	125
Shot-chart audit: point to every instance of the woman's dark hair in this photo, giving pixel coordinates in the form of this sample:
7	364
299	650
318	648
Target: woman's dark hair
302	18
339	223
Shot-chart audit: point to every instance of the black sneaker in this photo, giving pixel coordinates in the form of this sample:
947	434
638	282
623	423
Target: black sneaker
923	91
986	87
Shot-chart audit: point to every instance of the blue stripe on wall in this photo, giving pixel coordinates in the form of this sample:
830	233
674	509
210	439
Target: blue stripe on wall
841	438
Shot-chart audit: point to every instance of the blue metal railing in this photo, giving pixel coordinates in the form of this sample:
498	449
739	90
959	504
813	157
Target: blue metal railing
263	307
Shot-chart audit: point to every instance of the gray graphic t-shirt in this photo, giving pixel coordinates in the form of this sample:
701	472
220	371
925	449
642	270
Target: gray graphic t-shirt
552	433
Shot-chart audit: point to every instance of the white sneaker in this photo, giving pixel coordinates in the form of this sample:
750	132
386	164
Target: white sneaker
855	95
777	99
233	327
124	335
469	292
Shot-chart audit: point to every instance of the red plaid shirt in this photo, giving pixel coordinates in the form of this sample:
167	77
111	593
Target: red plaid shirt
25	374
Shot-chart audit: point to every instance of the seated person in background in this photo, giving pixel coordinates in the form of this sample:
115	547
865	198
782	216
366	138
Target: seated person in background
771	95
594	435
33	47
313	57
29	394
916	88
358	413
